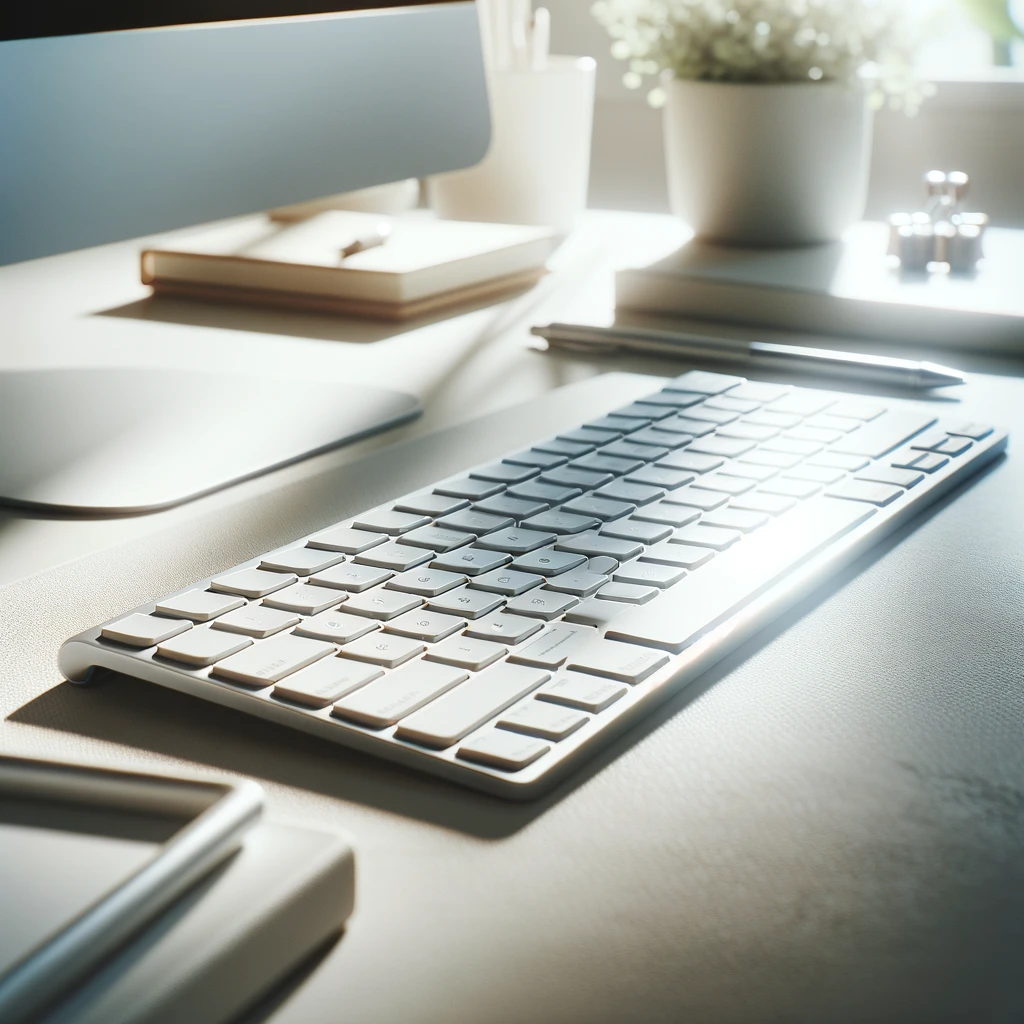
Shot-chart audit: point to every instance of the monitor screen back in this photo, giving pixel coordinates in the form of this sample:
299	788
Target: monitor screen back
125	122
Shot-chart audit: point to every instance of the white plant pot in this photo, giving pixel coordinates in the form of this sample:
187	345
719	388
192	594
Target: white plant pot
767	164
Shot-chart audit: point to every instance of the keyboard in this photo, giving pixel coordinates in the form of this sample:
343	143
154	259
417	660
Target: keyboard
501	626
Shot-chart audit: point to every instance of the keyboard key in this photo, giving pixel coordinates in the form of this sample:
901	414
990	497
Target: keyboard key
727	447
469	604
732	404
644	410
568	476
504	472
382	604
817	474
603	565
427	626
466	652
746	471
638	530
826	421
472	561
457	714
386	701
629	449
635	494
601	463
325	681
686	428
351	577
857	409
507	582
679	555
691	462
803	402
699	602
434	538
301	561
504	750
648	574
617	424
432	505
578	582
862	490
543	720
726	484
756	391
597	545
271	660
975	431
660	476
594	613
675	399
515	540
395	556
471	521
627	593
504	628
202	647
697	497
383	649
536	490
791	446
832	460
769	460
665	514
735	519
653	444
426	582
553	648
571	449
559	522
535	457
791	488
198	605
583	692
623	662
474	490
336	627
952	446
548	562
599	508
346	540
772	504
305	599
254	582
744	431
386	520
701	536
815	434
257	621
541	604
704	382
590	435
708	414
516	508
774	420
925	462
896	477
883	434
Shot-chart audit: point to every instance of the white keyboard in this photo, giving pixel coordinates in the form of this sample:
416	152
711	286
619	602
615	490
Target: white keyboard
500	627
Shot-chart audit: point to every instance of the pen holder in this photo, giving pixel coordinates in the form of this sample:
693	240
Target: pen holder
538	165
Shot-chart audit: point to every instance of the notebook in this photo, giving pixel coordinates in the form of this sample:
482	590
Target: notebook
424	265
846	288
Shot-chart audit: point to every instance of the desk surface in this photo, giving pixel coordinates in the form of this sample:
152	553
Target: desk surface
827	826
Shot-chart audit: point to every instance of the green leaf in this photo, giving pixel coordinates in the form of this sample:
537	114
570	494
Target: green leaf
994	17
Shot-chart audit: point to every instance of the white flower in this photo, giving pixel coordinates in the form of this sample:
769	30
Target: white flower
771	41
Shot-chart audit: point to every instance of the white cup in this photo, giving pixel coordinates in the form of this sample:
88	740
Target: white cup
538	165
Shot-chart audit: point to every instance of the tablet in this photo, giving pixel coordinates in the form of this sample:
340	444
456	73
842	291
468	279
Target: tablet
89	855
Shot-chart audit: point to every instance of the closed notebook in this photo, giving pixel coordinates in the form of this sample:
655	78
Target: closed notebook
846	288
425	264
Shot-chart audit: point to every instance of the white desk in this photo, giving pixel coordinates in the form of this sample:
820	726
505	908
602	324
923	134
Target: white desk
827	826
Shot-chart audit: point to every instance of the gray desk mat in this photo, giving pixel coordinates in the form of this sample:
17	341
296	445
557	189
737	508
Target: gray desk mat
829	825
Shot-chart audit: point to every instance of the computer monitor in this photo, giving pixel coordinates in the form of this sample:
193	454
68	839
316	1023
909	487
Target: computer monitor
124	118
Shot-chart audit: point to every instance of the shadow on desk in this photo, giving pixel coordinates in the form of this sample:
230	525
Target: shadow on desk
122	710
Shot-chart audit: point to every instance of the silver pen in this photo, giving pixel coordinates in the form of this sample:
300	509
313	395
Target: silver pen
782	358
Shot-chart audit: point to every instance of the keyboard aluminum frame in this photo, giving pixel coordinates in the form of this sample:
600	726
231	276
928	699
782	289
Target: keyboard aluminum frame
88	650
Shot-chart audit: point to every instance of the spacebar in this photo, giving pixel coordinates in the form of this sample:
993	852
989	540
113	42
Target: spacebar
698	603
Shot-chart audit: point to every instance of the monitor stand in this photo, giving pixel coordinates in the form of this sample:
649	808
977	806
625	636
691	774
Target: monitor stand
122	441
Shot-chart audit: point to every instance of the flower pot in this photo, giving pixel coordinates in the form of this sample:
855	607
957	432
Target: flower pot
767	164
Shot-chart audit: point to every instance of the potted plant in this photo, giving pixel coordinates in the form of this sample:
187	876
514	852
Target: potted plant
768	105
